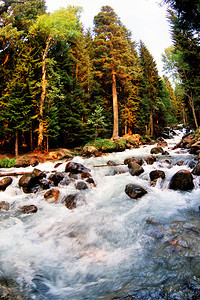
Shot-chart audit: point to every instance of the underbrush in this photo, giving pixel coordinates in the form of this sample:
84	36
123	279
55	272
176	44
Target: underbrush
105	144
7	163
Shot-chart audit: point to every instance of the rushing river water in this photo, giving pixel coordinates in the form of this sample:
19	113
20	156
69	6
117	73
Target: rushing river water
110	246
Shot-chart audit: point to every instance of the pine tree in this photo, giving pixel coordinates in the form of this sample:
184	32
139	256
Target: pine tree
113	59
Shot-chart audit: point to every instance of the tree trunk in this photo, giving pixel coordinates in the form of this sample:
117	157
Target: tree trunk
151	123
43	95
193	110
115	107
31	136
16	143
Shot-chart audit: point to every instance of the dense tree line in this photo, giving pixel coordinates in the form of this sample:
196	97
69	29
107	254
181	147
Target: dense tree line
55	78
182	60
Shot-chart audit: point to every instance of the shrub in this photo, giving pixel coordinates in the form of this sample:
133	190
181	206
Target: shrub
7	163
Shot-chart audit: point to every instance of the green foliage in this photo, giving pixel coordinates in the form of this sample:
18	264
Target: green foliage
7	163
107	145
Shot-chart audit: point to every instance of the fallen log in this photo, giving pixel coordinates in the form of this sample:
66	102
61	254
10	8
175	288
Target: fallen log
100	166
19	173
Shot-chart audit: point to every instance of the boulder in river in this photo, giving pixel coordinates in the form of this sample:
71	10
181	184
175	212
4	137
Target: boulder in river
4	205
56	177
135	169
52	195
135	191
81	185
182	180
157	150
29	209
76	168
150	160
4	183
70	201
139	161
155	174
28	182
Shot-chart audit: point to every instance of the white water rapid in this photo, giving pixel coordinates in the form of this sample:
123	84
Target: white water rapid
110	246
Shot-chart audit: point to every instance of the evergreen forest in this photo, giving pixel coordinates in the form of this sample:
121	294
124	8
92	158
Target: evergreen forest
62	85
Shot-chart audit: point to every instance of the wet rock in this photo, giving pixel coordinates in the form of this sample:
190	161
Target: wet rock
81	185
135	191
52	195
150	160
89	151
45	184
22	163
29	209
182	180
76	168
111	163
28	182
180	163
157	150
4	205
135	169
38	174
139	161
56	178
70	201
91	181
155	174
196	170
5	182
85	175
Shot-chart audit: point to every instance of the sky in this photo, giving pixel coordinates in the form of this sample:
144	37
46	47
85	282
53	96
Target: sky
146	19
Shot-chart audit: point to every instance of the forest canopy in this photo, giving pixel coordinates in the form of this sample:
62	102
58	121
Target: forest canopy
56	77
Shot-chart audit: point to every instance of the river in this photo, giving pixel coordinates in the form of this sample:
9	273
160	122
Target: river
110	246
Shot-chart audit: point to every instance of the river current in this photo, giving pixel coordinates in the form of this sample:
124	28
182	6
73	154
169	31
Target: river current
110	246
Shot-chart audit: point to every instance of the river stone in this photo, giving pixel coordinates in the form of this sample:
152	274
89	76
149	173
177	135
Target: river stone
70	201
28	182
52	195
38	174
91	181
81	185
76	168
196	170
155	174
5	182
139	161
135	191
45	184
85	175
182	180
150	160
56	177
157	150
29	209
135	169
111	163
4	205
